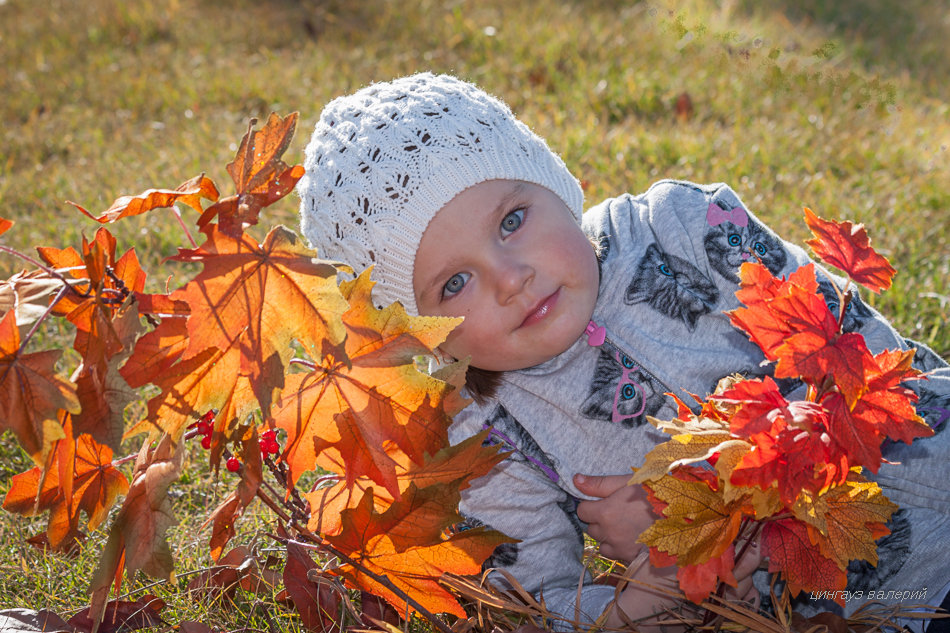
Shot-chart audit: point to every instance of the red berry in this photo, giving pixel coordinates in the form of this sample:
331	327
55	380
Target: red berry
234	464
208	417
273	447
269	434
204	428
206	442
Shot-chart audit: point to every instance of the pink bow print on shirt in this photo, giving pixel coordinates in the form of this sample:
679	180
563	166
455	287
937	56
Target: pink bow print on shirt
716	215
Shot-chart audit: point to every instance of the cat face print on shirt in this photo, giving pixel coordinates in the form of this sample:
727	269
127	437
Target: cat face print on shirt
621	392
672	286
505	430
733	238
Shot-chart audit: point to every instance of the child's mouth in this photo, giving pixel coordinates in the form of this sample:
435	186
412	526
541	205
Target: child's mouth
542	309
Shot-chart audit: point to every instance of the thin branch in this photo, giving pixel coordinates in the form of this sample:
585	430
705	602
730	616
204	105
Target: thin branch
39	321
323	546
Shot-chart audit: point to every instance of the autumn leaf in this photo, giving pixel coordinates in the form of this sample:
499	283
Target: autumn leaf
885	410
189	192
5	225
683	449
101	285
28	294
373	395
31	394
698	581
81	478
794	454
457	464
407	544
697	525
849	519
794	327
137	535
244	295
848	248
122	616
787	545
317	602
259	174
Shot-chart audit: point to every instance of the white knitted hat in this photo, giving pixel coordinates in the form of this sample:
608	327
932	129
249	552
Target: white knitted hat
384	160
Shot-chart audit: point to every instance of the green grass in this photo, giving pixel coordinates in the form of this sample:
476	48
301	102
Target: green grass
844	109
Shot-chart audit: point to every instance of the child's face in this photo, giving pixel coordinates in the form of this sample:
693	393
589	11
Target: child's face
510	258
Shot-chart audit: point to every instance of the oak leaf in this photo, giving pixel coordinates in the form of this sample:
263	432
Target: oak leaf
189	192
81	478
31	394
259	174
848	248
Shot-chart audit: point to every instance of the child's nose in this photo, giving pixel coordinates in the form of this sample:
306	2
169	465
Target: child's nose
512	276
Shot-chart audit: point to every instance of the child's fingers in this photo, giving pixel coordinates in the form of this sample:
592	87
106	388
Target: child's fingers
600	485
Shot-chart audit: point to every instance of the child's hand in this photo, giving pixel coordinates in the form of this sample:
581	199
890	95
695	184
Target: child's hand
618	517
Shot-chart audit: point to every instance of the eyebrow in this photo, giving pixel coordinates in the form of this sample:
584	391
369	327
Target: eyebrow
433	282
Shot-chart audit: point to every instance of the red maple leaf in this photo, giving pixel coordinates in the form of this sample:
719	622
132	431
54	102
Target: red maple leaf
847	247
790	551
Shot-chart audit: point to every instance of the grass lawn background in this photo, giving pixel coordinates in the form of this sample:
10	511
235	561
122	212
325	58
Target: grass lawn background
842	109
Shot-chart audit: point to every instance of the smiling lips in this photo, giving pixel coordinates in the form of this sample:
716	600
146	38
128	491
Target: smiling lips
542	309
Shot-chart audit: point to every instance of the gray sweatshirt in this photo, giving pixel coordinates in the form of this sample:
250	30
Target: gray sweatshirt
668	265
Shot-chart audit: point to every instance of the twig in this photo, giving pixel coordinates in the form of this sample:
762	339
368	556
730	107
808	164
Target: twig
320	544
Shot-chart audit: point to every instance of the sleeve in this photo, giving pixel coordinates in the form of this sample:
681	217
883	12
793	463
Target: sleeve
520	500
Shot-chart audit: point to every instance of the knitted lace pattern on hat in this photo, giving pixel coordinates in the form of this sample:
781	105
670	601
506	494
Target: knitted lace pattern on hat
382	161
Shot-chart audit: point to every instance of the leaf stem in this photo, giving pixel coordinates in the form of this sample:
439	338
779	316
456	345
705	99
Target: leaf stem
49	310
184	227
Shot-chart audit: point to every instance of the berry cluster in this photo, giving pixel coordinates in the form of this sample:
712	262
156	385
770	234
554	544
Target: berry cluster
268	442
205	426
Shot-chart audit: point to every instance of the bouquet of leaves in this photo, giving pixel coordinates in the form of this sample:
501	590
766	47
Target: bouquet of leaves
753	465
275	368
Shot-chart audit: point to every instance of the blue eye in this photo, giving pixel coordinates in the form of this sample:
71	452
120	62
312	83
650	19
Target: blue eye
455	284
666	270
760	248
848	309
627	392
626	361
735	239
833	307
512	222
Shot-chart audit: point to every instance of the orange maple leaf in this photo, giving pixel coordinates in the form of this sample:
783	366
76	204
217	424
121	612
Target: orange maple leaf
700	580
244	295
31	394
259	174
789	548
81	478
137	535
5	225
407	544
457	464
189	192
848	248
352	404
